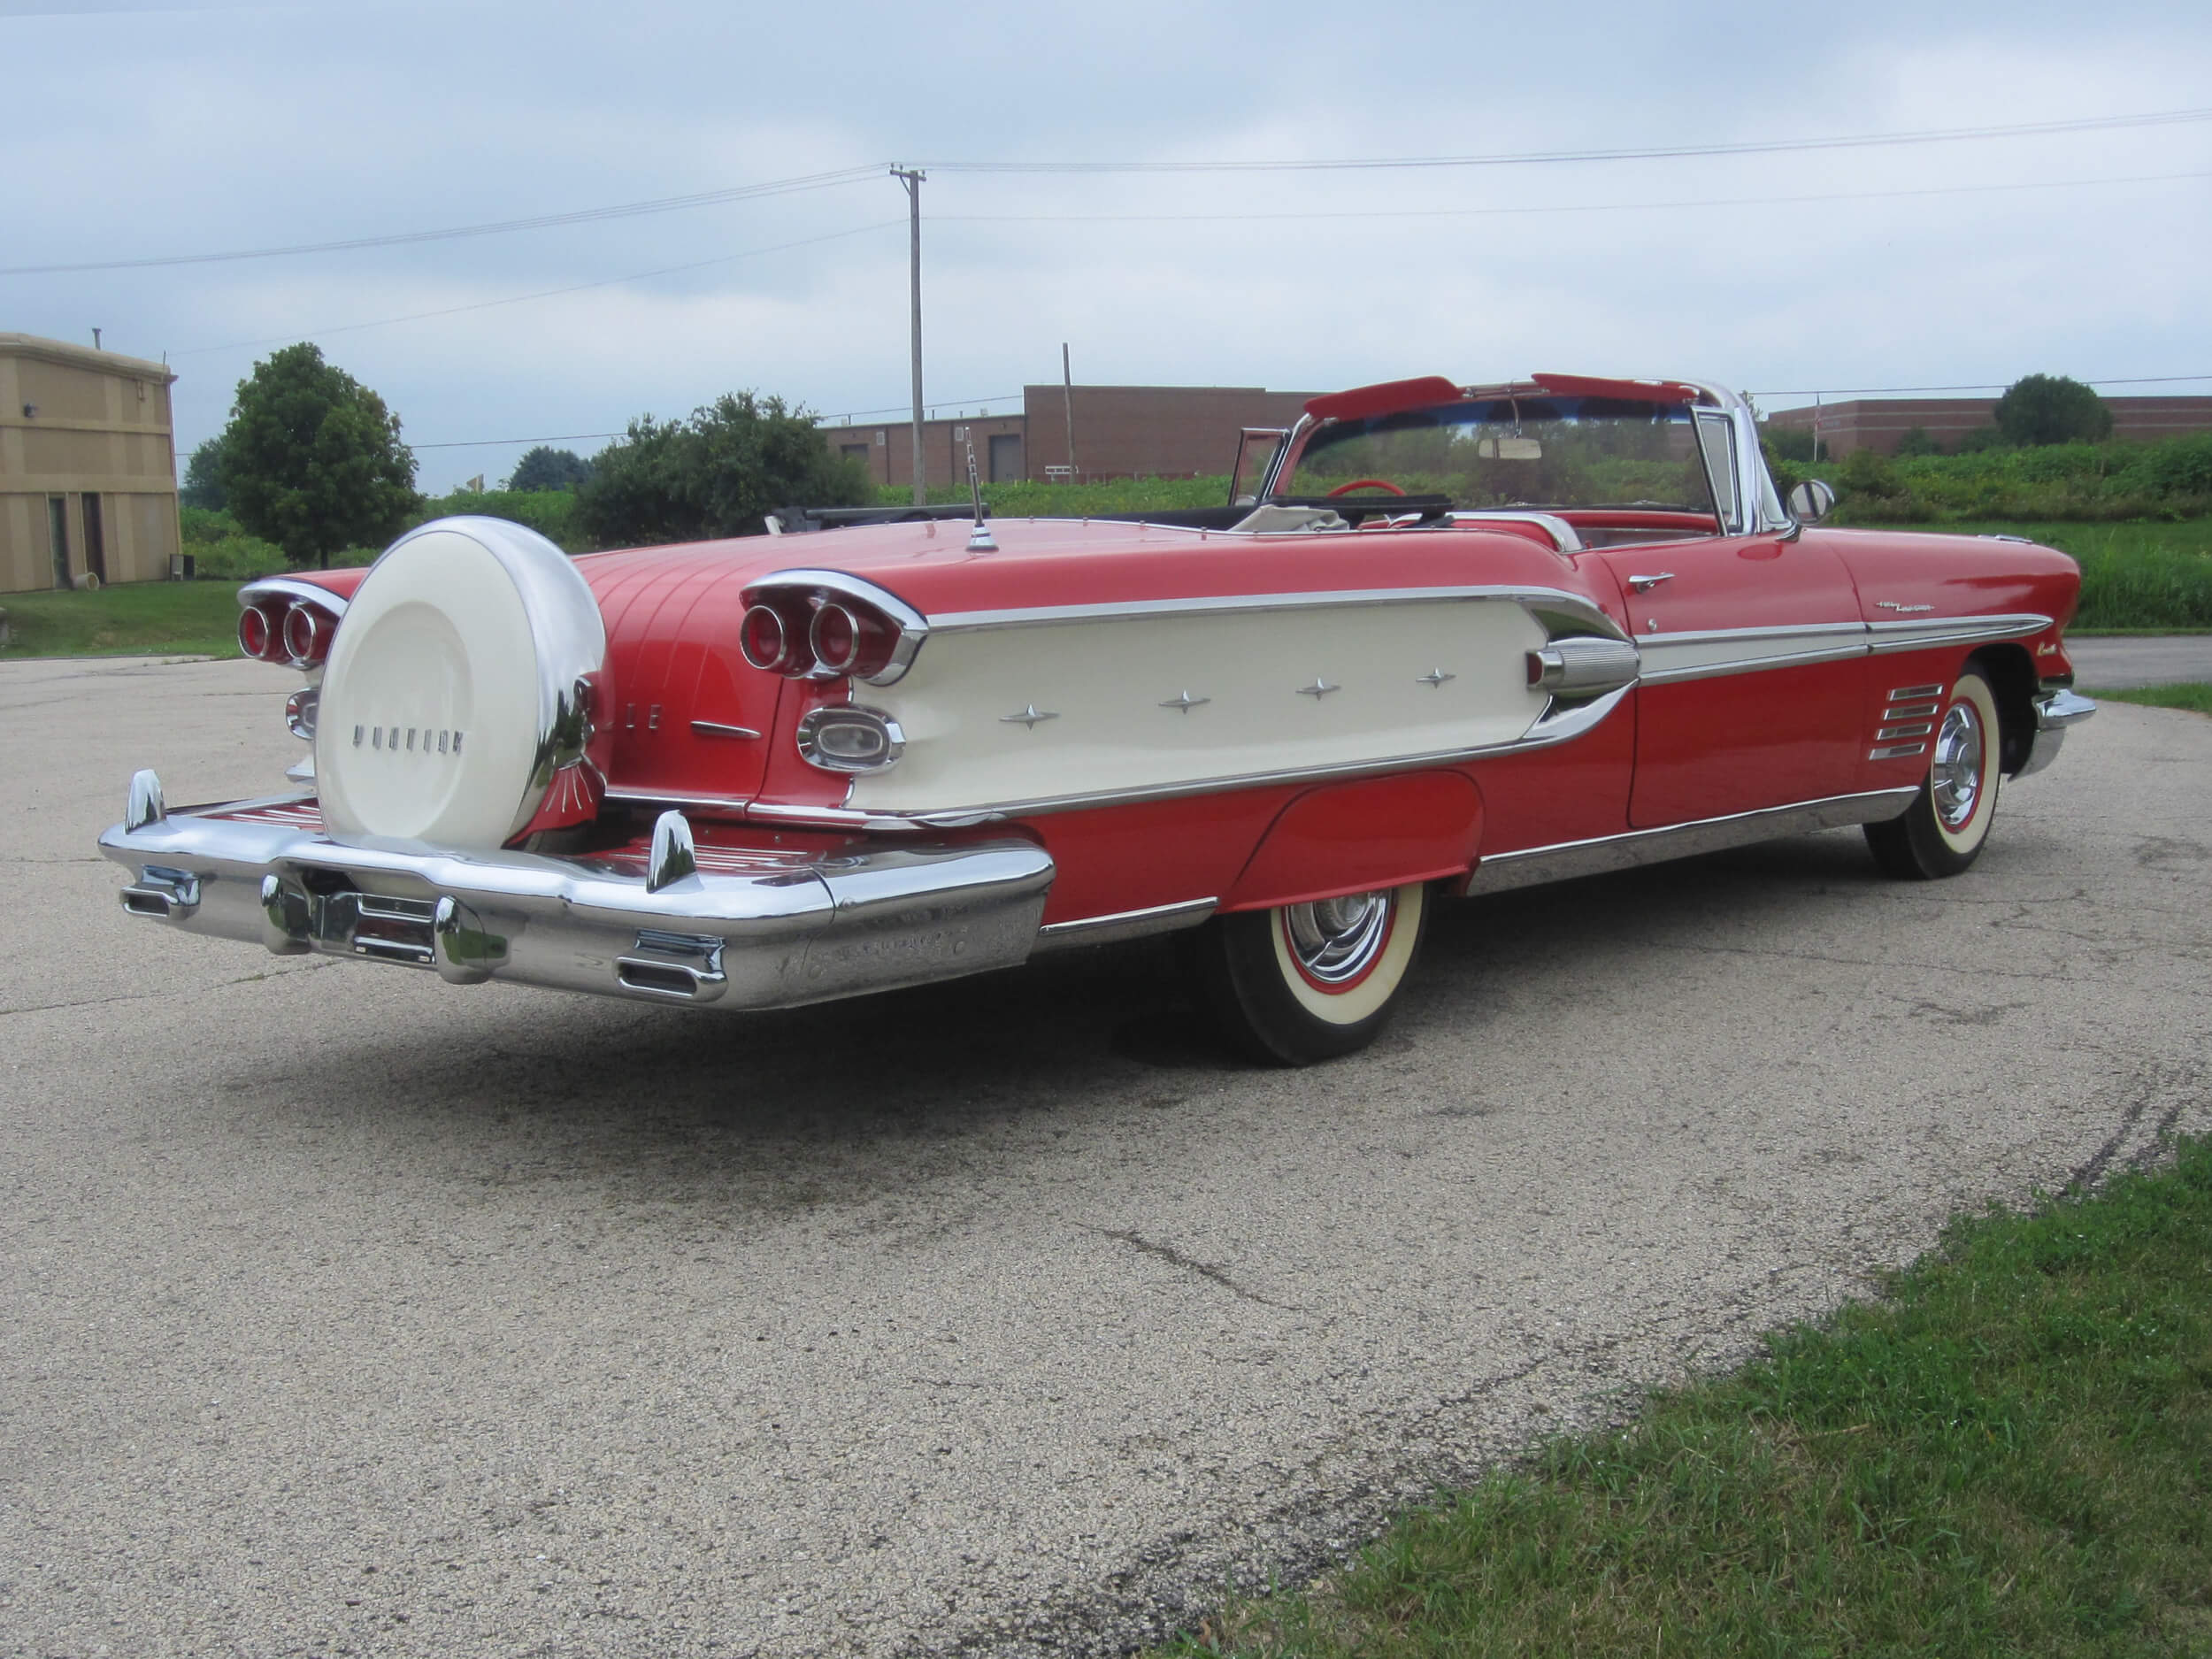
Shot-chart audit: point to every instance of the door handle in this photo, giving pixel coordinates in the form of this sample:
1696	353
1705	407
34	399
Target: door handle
1644	583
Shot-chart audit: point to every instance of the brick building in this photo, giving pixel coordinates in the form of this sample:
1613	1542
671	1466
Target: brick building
1120	432
1880	423
87	469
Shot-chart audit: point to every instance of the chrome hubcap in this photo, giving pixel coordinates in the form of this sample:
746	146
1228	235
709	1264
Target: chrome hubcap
1338	939
1957	774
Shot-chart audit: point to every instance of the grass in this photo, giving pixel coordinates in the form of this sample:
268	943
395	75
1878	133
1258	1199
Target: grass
1034	500
136	618
2011	1453
2152	575
2194	695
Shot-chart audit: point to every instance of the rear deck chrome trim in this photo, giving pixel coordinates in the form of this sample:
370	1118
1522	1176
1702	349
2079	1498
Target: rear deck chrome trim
1554	600
1560	726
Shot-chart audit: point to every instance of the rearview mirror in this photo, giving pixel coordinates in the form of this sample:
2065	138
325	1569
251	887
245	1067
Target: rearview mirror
1812	500
1510	448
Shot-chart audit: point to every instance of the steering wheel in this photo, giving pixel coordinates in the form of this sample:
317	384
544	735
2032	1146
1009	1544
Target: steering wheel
1350	485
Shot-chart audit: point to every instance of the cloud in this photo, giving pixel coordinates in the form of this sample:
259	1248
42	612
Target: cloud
196	128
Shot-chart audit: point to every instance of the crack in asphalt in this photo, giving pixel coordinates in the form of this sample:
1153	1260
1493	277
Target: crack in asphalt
2038	976
166	995
2147	1089
1191	1265
1179	1575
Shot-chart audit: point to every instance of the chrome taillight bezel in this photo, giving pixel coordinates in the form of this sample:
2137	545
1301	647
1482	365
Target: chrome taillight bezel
883	632
825	741
307	631
770	656
260	634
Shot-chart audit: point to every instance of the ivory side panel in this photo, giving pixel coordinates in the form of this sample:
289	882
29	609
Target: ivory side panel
1105	682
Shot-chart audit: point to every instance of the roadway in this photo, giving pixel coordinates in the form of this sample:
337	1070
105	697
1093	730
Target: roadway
350	1311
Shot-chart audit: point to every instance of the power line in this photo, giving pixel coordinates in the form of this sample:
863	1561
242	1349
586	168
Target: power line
544	294
1554	208
852	175
582	216
494	444
582	437
1664	152
1018	218
901	409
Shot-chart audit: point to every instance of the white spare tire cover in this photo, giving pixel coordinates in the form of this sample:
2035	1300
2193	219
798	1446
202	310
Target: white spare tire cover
451	694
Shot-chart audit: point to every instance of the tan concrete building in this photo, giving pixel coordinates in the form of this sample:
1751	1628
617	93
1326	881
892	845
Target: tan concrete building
88	466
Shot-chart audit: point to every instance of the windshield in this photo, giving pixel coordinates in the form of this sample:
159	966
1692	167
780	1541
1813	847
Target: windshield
1538	451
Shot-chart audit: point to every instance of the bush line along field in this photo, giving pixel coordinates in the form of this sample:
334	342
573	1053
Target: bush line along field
2153	573
2075	482
2011	1453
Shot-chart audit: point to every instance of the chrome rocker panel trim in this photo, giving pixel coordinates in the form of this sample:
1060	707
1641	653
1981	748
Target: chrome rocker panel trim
1604	854
785	932
2054	712
1108	930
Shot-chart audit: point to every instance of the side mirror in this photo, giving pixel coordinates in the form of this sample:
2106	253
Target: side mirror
1812	500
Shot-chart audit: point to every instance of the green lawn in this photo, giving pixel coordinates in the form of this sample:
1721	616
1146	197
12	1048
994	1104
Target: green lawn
137	619
2194	696
2145	576
2011	1454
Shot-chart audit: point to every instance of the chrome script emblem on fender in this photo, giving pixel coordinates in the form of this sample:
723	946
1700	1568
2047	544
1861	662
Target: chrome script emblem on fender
1891	604
435	740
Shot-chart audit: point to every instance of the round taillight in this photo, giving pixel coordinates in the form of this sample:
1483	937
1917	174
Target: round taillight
836	637
306	635
762	637
255	632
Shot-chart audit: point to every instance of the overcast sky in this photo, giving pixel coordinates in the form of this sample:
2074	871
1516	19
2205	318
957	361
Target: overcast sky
144	131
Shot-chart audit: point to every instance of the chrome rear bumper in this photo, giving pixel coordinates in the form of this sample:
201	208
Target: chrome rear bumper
2055	711
741	927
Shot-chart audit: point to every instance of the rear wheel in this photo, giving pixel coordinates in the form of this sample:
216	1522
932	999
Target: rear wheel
1307	982
1944	829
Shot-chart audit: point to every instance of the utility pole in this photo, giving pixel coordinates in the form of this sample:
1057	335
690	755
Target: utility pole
1067	403
911	178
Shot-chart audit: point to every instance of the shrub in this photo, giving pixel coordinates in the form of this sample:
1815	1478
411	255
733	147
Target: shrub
1788	443
1869	472
550	513
715	474
1917	442
2051	408
313	460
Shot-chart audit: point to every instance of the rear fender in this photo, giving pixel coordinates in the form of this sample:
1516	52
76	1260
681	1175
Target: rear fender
1355	837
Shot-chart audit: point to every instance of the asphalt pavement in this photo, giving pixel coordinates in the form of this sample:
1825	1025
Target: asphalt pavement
2122	662
345	1311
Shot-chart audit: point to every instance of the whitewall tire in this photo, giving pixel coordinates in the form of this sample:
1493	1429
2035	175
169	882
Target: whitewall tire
1307	982
1947	823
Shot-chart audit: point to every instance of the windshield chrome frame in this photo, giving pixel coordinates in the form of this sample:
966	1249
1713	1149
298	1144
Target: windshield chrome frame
1761	511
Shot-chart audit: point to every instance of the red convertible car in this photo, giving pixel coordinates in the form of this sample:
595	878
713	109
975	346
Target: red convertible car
1447	639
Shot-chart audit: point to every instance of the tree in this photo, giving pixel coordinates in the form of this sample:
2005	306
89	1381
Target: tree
203	484
2051	408
544	468
311	459
715	474
1917	442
